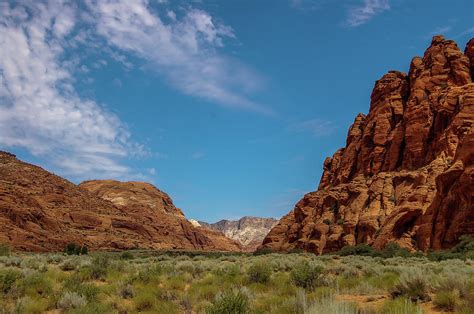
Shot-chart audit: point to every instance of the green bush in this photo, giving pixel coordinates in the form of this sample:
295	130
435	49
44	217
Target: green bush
359	249
74	249
4	250
447	300
463	250
465	245
230	302
263	251
393	249
259	272
7	280
126	255
35	284
306	275
99	267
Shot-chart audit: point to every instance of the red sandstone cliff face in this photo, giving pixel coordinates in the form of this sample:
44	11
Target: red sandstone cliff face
406	174
40	211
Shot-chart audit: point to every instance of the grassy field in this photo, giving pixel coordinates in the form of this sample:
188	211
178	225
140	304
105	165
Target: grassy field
158	282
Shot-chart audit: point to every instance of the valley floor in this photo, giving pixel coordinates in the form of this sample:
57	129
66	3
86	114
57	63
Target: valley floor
157	282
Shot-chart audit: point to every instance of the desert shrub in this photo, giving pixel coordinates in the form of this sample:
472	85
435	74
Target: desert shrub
465	245
8	278
340	222
393	249
74	249
71	300
68	265
74	284
54	258
186	266
263	251
306	275
99	267
463	250
412	284
231	301
12	261
145	301
126	255
359	249
351	272
447	300
227	270
34	284
30	305
126	291
4	250
454	280
295	251
148	273
259	272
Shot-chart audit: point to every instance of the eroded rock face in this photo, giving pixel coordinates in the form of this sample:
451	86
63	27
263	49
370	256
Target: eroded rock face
40	211
406	173
248	231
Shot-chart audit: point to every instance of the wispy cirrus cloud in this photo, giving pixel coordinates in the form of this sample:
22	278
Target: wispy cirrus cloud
184	50
41	46
363	13
316	127
440	30
39	108
465	32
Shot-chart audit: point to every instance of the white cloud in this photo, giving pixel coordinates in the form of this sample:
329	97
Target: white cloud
184	50
362	14
465	32
315	127
39	109
441	30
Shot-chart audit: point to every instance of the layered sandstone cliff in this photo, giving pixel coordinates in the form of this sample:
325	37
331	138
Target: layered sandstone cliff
406	174
40	211
248	231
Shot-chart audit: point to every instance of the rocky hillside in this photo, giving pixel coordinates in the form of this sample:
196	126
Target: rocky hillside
406	174
248	231
40	211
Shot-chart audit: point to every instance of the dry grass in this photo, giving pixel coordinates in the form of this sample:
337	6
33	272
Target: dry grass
154	282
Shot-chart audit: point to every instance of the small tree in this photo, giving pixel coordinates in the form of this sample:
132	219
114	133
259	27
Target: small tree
74	249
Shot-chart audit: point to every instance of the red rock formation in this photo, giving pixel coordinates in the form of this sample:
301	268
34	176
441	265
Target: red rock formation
406	174
40	211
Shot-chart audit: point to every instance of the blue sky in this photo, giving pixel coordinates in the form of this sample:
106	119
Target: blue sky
231	107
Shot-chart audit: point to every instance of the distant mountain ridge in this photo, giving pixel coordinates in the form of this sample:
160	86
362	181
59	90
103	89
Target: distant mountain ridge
248	231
